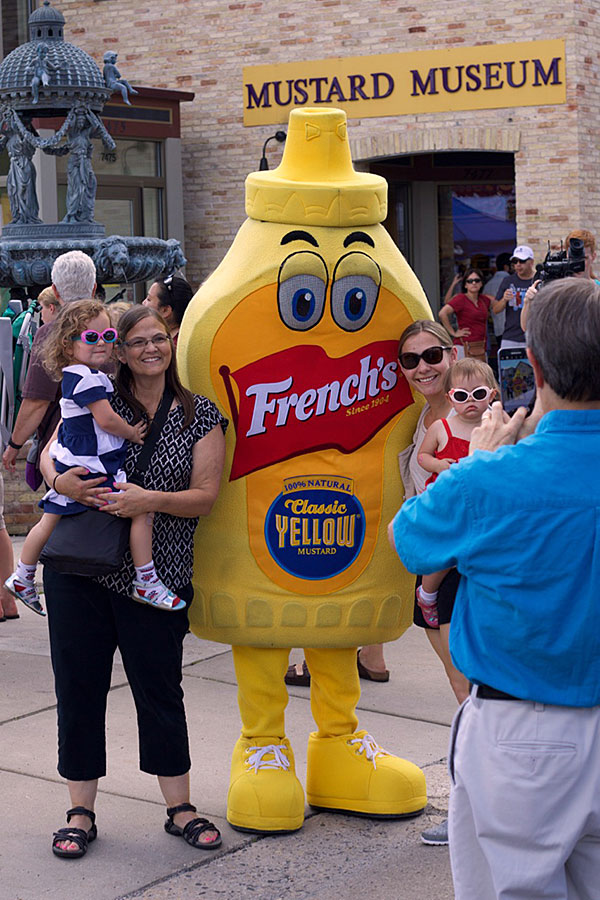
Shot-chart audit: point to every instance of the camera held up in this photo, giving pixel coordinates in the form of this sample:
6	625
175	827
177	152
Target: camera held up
562	263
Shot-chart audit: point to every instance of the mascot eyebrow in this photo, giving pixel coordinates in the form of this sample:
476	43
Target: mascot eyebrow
299	236
359	236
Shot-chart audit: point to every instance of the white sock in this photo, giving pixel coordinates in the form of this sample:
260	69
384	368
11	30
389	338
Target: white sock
427	598
146	574
25	572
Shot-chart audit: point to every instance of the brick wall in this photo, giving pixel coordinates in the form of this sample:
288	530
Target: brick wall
201	45
21	509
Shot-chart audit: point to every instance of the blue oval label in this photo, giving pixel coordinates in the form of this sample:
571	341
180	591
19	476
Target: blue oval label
315	527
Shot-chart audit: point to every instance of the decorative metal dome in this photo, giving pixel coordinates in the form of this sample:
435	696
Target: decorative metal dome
68	73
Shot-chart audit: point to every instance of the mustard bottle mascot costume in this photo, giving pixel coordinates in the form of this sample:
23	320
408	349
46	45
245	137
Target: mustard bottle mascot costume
296	335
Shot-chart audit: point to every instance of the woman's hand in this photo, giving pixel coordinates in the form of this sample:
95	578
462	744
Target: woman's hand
462	333
72	484
497	428
127	500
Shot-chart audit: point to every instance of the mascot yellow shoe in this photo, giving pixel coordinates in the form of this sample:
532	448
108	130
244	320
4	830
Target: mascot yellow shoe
352	773
295	335
264	793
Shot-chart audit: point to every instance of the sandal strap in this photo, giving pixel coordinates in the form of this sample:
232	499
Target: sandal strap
81	811
196	827
183	807
75	835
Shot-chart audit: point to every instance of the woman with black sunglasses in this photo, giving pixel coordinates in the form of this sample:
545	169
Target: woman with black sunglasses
425	353
471	309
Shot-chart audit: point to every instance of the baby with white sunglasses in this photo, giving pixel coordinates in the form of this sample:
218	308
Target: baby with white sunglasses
470	386
91	435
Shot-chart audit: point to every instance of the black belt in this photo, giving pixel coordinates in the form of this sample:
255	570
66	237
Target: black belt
489	693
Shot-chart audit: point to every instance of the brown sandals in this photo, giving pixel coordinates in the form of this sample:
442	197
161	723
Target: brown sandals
298	679
302	679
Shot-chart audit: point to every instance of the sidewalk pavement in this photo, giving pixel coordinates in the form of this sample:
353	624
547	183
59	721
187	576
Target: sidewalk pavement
135	858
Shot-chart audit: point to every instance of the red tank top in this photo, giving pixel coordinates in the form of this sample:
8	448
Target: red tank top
456	448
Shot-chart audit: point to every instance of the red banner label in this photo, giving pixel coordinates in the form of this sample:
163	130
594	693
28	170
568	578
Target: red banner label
300	400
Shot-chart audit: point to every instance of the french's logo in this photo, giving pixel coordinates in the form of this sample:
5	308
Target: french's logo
300	400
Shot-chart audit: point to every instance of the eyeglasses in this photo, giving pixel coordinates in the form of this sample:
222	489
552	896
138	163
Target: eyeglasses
473	281
138	343
459	395
432	356
109	336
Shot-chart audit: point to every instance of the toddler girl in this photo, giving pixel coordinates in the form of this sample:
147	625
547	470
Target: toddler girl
470	387
91	435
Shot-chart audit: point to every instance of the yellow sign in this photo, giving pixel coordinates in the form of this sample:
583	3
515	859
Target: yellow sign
487	77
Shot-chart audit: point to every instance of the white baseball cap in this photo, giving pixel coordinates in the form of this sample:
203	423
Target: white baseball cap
522	252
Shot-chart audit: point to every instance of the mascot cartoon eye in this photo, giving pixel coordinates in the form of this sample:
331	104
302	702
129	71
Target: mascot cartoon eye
354	291
353	301
301	295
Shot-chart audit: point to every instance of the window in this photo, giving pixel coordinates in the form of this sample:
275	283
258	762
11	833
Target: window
15	18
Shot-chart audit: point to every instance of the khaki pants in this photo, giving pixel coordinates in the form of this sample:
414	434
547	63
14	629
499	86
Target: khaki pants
524	816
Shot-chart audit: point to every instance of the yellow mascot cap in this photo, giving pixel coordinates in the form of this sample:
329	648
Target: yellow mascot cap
315	183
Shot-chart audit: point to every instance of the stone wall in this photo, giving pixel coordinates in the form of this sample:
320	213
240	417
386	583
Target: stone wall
201	45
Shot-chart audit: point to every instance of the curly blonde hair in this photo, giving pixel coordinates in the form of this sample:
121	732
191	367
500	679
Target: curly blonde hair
72	319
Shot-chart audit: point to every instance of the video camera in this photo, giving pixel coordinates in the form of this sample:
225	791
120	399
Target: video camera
562	263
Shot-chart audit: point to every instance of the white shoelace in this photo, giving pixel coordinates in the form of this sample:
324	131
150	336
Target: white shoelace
370	747
256	757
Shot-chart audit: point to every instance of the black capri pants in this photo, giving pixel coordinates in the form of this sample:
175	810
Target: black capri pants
445	600
87	623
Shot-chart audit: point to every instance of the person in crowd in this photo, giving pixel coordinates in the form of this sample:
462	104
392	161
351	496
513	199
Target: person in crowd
589	246
89	618
470	386
49	305
170	297
471	309
511	296
491	287
525	798
116	309
73	278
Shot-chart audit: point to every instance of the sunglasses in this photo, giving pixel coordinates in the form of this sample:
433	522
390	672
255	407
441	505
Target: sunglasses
109	336
432	356
459	395
473	281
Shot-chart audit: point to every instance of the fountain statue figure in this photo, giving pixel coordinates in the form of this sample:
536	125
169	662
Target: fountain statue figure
21	143
112	77
81	180
42	68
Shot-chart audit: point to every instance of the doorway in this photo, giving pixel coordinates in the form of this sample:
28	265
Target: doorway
450	210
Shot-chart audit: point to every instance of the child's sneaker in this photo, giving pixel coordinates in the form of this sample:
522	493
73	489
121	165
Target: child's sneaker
429	610
26	592
157	594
